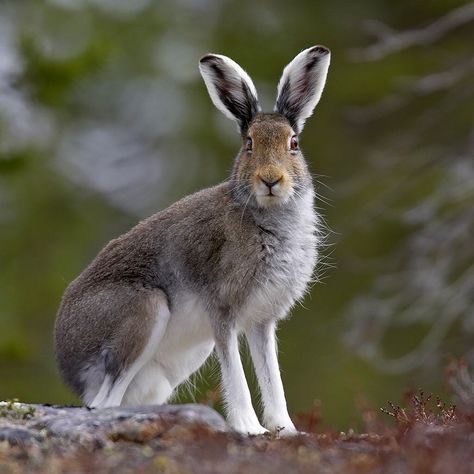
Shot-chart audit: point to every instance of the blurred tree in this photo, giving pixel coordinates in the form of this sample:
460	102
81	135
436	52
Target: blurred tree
423	157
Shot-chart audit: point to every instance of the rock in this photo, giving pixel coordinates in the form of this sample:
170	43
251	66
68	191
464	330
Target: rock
23	424
19	436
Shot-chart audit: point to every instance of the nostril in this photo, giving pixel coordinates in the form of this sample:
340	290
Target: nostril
270	184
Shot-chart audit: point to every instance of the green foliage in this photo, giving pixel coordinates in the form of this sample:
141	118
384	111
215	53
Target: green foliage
14	162
15	410
50	80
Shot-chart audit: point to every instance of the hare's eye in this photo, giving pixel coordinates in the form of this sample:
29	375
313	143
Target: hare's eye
249	144
294	146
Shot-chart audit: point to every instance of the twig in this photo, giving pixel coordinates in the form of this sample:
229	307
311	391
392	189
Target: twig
391	41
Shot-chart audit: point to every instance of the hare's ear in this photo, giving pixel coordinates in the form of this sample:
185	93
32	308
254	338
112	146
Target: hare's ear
231	89
302	84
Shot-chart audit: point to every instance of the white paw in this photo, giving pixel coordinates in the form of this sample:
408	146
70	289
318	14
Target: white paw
247	426
282	428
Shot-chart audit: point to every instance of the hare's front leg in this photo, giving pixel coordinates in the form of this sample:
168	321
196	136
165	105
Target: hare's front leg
262	342
240	413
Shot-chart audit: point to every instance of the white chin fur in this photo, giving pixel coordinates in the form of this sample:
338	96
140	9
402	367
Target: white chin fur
271	200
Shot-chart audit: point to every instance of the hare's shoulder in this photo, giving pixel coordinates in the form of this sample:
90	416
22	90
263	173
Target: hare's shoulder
141	245
181	216
205	199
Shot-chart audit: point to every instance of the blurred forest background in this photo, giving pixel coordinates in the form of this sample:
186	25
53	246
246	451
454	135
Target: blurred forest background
104	120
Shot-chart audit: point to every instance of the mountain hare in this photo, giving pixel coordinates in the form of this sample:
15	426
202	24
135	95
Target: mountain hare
152	306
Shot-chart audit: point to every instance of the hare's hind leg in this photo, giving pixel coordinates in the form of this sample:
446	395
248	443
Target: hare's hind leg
150	386
155	316
173	364
184	349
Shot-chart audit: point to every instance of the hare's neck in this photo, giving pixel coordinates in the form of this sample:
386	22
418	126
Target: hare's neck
295	217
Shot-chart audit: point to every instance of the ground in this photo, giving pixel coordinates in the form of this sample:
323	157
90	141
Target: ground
425	437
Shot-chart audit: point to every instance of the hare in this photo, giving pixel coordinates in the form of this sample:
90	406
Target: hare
156	301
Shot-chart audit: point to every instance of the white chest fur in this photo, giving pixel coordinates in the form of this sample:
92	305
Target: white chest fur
285	278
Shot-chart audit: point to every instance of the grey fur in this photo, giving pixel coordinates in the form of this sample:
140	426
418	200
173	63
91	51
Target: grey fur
220	244
206	242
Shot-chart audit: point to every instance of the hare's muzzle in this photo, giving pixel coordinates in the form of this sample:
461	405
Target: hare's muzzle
272	187
270	183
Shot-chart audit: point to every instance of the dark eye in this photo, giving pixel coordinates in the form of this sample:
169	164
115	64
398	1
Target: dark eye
294	146
249	144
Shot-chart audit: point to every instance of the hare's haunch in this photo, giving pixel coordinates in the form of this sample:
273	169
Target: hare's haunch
155	302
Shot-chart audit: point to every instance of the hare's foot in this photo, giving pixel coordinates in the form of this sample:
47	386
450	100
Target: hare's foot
247	424
281	425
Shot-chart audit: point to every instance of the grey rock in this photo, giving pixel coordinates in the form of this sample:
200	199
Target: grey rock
138	423
19	436
77	422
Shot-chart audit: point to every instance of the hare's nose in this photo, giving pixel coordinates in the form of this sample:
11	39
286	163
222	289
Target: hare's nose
270	184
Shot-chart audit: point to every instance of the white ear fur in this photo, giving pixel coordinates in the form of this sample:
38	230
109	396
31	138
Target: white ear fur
302	84
231	89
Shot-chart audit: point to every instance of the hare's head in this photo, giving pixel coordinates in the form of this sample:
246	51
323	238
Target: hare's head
270	168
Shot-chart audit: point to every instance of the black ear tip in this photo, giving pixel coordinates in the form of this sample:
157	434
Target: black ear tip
320	50
207	58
